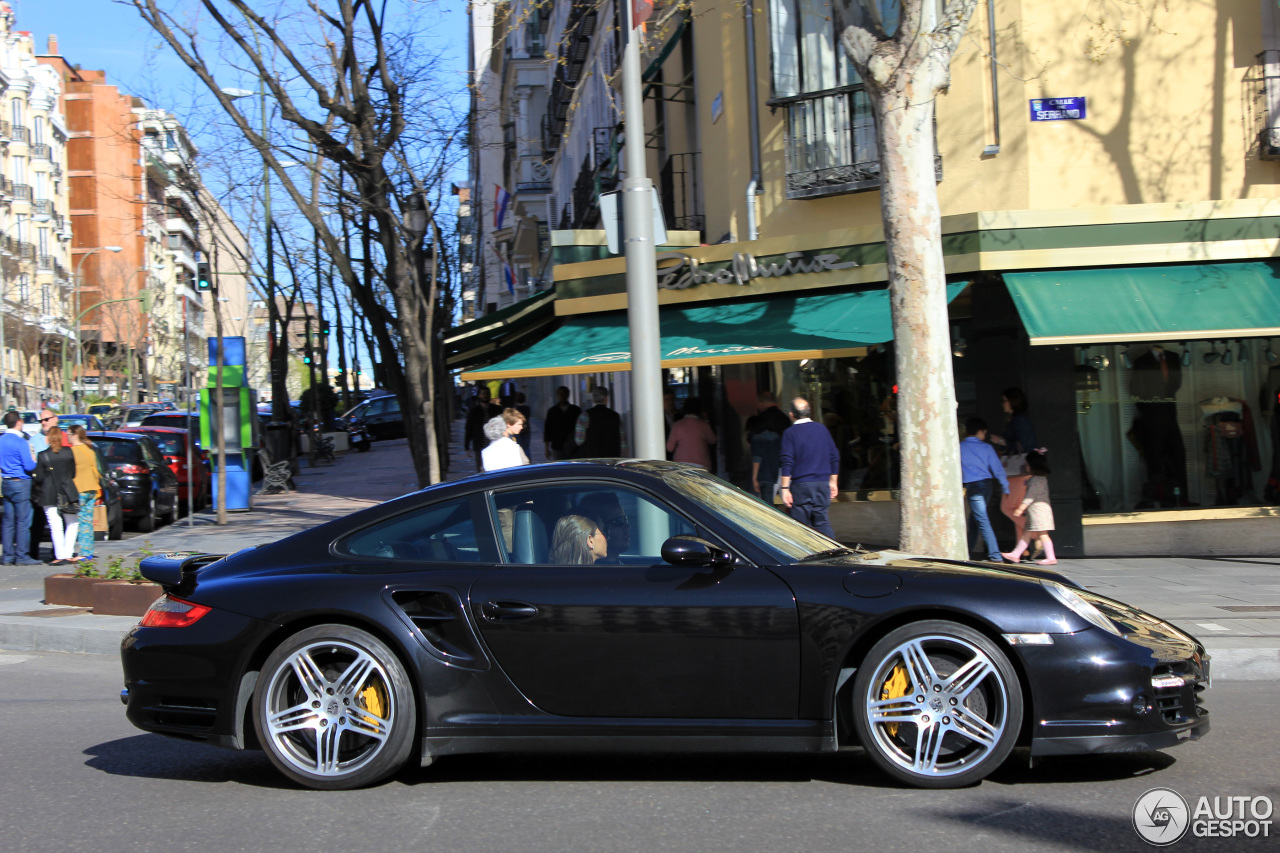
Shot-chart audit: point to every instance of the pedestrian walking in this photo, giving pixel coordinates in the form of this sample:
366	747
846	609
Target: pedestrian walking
981	472
503	451
474	441
764	435
557	427
524	438
88	485
55	483
16	465
692	439
1038	510
810	469
1018	440
598	432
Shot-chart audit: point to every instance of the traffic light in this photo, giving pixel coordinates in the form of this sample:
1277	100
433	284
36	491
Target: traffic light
324	328
204	280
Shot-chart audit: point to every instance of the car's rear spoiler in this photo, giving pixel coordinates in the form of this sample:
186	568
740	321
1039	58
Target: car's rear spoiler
169	570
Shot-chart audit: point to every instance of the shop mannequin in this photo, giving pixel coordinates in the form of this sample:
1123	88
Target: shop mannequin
1153	385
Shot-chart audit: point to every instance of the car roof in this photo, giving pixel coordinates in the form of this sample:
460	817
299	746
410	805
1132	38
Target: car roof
144	429
116	434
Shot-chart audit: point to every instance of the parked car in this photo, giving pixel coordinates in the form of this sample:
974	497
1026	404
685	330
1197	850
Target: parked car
100	409
89	422
685	615
380	416
110	499
133	414
174	420
172	443
30	422
148	489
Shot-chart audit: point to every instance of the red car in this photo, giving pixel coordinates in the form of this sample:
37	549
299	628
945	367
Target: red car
173	445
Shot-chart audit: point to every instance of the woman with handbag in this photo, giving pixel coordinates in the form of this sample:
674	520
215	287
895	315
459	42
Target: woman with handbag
89	486
55	484
1018	440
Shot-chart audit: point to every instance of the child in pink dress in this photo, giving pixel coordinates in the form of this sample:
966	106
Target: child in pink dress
1038	511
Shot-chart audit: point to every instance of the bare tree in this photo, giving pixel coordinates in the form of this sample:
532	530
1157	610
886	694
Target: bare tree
902	50
342	83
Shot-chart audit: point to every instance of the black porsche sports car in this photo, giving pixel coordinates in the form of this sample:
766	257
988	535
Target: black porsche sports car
437	624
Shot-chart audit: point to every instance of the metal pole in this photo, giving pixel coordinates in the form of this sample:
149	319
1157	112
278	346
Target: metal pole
642	264
186	390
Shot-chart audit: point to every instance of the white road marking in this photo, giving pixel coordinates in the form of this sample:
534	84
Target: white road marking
1212	626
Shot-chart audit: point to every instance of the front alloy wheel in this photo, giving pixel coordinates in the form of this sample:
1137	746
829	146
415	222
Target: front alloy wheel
937	705
334	709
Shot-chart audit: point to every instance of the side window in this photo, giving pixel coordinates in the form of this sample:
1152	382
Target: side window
393	405
152	454
634	524
440	533
375	408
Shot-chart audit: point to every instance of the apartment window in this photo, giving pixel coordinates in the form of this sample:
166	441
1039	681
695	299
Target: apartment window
24	288
37	129
170	142
831	139
42	238
16	104
46	299
19	170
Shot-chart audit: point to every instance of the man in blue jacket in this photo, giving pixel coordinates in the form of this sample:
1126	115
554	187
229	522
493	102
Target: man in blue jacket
16	465
810	471
981	471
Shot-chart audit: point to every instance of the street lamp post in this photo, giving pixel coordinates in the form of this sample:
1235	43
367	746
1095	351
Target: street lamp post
79	280
4	294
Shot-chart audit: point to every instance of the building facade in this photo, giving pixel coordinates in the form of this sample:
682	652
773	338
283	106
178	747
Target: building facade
1110	251
35	258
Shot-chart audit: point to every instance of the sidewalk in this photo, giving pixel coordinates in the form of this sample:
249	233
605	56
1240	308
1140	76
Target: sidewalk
1231	604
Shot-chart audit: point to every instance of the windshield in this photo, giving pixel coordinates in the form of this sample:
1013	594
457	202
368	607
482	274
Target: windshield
787	538
117	452
169	444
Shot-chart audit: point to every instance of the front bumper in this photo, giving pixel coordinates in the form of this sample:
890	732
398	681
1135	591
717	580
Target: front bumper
1095	692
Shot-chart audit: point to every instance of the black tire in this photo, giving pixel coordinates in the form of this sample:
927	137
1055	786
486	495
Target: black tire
291	718
365	446
147	521
941	689
115	529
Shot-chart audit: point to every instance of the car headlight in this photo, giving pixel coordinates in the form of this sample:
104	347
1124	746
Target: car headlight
1077	605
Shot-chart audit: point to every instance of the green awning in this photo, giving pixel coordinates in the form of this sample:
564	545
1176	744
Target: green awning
1156	303
780	327
501	333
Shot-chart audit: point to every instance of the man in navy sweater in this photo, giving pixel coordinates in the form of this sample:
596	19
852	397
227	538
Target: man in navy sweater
810	469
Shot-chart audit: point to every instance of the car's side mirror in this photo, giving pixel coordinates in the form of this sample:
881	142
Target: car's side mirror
692	551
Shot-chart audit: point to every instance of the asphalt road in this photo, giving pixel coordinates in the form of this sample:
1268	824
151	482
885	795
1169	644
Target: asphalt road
77	776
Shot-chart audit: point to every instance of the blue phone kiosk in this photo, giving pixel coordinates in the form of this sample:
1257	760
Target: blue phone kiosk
235	415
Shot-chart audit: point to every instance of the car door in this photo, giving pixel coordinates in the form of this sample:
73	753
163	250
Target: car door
631	636
166	482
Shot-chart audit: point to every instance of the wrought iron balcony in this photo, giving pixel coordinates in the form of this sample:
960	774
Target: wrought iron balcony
4	131
42	151
42	206
20	133
22	192
44	263
678	183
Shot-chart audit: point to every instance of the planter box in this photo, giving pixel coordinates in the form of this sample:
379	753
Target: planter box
124	598
70	590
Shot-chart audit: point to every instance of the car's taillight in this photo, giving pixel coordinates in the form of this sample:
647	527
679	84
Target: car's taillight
132	469
169	612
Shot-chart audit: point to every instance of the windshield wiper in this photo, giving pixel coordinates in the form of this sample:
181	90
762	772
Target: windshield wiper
822	555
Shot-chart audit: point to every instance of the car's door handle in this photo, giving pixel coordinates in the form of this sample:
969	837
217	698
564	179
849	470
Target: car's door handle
508	611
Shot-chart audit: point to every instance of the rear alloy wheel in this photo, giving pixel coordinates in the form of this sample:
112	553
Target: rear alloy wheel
334	709
937	705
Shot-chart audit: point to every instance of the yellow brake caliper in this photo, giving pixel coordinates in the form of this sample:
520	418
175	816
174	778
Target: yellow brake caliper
896	685
373	701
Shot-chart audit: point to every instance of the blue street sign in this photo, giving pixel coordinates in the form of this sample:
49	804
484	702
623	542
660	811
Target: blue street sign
1057	109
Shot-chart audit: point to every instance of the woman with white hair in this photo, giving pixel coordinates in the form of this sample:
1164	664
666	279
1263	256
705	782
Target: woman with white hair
503	451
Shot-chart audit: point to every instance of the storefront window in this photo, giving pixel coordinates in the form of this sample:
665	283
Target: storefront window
1178	424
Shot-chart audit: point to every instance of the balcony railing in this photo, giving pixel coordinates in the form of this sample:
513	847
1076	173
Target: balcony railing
27	251
20	133
4	131
679	187
42	206
22	192
42	151
44	263
831	143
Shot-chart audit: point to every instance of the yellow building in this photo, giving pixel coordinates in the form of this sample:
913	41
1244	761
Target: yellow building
1108	182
